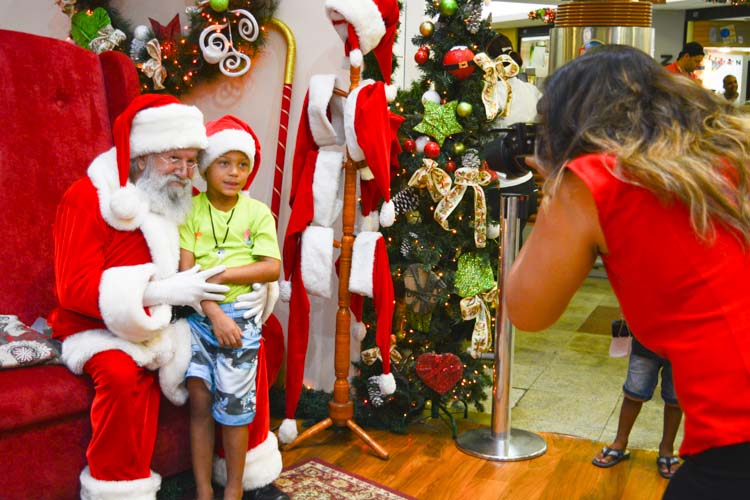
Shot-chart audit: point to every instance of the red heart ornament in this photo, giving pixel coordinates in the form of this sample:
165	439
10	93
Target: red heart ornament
439	372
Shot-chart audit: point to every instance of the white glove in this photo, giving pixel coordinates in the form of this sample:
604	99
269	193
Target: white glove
187	288
260	302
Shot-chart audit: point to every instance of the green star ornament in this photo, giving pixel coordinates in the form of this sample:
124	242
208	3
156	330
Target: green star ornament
439	121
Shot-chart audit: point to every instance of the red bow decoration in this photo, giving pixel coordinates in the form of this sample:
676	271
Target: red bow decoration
171	31
439	372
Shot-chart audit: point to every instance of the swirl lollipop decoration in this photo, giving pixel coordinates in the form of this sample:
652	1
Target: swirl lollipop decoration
218	48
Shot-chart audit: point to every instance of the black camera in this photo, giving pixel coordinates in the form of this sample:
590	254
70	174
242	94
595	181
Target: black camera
505	153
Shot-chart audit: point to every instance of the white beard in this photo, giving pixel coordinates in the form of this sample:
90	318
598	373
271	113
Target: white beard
173	202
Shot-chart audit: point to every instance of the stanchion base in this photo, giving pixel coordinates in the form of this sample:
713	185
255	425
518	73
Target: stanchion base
519	445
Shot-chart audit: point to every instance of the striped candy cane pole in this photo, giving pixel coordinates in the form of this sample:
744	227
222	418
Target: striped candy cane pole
286	101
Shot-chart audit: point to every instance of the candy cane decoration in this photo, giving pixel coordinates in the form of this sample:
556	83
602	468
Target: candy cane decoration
286	101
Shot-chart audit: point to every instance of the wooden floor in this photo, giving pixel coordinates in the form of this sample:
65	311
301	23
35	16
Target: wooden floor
426	464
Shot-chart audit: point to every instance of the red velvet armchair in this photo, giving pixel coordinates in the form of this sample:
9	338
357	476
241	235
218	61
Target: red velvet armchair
57	103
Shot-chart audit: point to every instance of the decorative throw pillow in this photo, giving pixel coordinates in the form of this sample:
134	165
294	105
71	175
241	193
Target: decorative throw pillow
21	345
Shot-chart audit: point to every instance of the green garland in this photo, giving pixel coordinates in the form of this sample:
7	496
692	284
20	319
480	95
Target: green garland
180	54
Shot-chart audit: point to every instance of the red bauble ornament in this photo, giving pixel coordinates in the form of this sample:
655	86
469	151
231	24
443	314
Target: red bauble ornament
450	166
410	146
459	61
432	149
422	55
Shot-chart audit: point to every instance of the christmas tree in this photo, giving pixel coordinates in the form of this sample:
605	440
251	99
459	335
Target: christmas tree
442	249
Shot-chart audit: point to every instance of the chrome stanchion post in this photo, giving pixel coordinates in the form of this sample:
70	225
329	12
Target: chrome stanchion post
500	442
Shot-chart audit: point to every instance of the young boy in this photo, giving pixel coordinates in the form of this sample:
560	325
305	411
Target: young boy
226	228
643	374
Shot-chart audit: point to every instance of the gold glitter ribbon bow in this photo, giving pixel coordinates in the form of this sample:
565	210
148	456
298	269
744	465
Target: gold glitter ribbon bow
478	308
464	178
369	356
108	39
495	70
435	179
153	68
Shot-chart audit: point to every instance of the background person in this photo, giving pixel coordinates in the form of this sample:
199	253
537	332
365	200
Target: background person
730	89
513	179
688	60
644	367
651	172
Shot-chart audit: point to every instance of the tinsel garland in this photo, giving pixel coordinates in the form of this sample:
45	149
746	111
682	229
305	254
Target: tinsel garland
733	3
180	55
546	15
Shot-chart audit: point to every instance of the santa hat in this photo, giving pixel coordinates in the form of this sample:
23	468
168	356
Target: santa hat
371	137
371	276
152	123
321	125
365	26
229	133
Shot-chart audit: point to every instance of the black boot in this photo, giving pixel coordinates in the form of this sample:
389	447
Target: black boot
267	492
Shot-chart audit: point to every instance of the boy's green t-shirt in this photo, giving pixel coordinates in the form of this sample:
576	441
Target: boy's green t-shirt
250	235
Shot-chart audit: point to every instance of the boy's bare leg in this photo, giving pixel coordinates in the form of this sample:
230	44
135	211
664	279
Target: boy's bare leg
235	449
201	437
628	414
672	419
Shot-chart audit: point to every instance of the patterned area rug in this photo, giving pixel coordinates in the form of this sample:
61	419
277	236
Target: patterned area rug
314	479
600	320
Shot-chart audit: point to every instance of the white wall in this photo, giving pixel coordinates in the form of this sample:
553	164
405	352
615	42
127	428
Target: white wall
669	27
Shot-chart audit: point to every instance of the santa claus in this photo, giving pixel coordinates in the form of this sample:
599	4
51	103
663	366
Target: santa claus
116	258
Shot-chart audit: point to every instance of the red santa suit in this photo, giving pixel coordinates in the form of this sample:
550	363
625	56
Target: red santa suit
108	246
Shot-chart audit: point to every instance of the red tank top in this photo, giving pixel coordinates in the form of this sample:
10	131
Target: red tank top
685	299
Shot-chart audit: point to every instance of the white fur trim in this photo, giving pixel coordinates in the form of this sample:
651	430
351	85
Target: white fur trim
136	489
363	263
317	260
172	373
126	202
263	465
350	113
80	347
358	331
326	188
105	178
369	222
364	15
387	384
391	91
272	297
320	101
285	291
356	58
288	430
230	139
493	231
163	240
387	214
365	173
163	128
121	303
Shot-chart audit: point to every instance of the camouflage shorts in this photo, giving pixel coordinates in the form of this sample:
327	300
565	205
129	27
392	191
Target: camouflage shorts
229	372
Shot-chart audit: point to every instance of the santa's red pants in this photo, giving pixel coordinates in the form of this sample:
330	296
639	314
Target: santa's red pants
124	417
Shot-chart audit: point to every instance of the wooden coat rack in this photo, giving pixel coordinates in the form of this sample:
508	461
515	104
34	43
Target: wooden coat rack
341	407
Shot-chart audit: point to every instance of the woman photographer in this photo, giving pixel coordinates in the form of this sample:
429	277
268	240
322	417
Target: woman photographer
650	171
